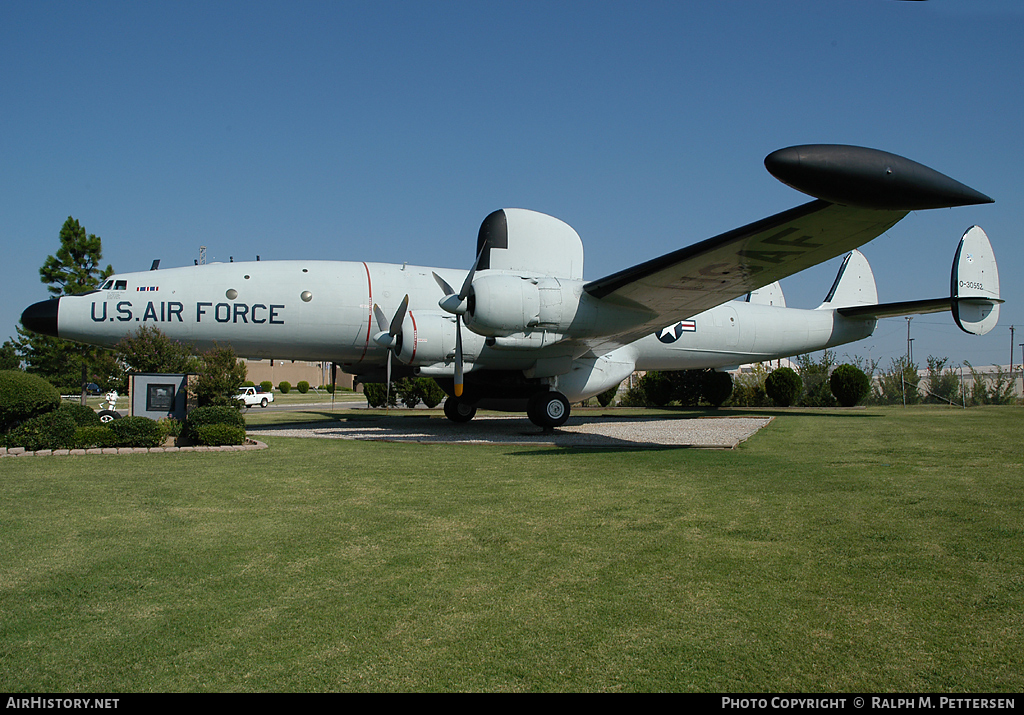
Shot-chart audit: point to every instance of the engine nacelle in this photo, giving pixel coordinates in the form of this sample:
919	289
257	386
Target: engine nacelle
503	304
427	338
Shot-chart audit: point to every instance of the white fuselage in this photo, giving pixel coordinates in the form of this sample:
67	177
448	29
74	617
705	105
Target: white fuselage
323	311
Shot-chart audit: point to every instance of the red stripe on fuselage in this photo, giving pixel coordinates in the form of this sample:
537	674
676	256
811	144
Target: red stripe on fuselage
415	342
369	316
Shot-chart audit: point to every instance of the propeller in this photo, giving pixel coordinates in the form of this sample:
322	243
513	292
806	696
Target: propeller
457	304
390	334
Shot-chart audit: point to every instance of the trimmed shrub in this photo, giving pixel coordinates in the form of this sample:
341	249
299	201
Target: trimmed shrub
212	415
716	387
783	386
849	385
92	437
51	430
407	391
329	388
83	415
413	390
217	434
285	387
633	397
606	397
302	387
137	432
656	388
266	386
170	427
376	394
23	396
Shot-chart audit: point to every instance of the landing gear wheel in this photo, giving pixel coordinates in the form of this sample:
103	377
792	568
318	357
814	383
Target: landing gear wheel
458	411
109	416
548	409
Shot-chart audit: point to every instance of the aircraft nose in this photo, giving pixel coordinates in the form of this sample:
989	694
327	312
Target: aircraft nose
41	317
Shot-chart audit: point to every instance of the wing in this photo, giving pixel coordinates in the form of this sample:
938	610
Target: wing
681	284
861	193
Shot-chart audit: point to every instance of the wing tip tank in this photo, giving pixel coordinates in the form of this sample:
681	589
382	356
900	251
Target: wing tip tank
867	178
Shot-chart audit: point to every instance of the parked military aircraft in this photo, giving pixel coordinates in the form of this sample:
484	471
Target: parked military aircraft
525	331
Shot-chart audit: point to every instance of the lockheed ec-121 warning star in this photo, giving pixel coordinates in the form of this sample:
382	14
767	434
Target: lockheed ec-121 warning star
523	330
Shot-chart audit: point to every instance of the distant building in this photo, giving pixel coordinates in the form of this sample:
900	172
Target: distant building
316	374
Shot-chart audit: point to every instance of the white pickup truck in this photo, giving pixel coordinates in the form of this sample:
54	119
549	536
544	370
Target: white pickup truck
252	397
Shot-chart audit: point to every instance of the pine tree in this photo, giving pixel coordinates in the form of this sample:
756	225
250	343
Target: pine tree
74	269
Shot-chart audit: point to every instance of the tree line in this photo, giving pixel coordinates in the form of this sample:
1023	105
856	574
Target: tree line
823	382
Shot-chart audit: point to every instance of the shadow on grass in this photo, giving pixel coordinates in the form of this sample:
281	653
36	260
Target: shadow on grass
505	430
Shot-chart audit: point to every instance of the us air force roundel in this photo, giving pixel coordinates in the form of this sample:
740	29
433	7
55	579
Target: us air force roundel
673	332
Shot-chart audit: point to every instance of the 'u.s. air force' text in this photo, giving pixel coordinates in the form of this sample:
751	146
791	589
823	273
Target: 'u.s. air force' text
172	312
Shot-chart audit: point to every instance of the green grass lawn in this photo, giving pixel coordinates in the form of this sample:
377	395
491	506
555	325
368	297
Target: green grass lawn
869	550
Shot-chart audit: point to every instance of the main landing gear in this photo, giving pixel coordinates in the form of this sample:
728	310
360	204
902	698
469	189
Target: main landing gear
458	411
545	409
548	409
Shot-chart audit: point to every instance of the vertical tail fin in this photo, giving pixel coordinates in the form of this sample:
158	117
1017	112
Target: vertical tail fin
768	295
854	284
974	284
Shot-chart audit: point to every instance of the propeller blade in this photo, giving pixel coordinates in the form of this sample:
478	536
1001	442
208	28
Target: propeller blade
382	321
468	283
443	284
396	322
458	357
387	385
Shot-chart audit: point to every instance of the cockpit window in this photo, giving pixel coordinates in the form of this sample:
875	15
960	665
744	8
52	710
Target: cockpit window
121	285
108	285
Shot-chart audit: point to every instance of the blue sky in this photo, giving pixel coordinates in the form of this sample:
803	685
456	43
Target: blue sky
386	131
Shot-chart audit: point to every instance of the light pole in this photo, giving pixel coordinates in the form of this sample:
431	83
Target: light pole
1011	349
909	340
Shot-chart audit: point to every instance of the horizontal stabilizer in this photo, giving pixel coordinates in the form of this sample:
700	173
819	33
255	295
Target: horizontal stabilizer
897	310
974	299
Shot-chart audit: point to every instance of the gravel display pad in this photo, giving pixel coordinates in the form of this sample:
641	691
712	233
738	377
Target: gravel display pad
631	432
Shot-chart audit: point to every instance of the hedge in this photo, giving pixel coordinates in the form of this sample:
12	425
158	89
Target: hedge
52	430
211	415
218	434
93	437
83	415
137	432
